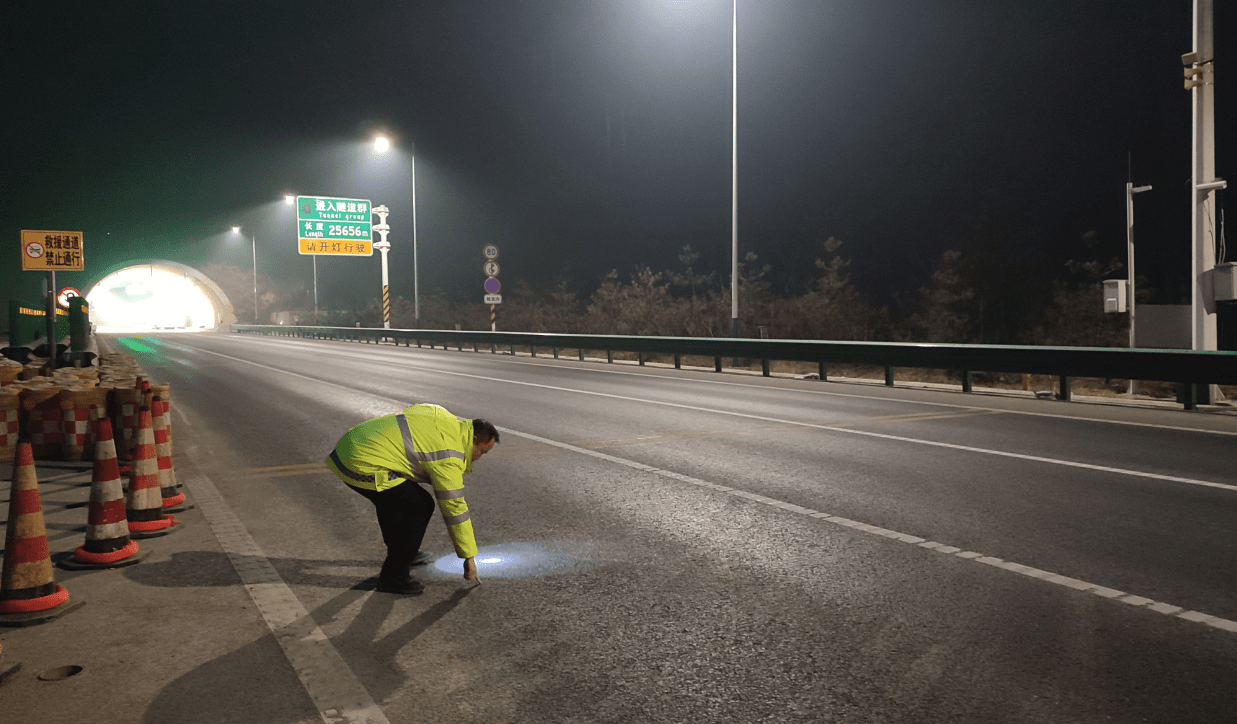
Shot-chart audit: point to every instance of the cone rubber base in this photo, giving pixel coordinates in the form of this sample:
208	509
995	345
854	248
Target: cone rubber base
72	564
143	535
19	620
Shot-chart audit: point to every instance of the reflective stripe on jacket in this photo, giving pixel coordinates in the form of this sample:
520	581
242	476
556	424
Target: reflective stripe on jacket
424	443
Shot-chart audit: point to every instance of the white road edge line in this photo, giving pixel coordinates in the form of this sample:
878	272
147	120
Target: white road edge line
1065	581
338	695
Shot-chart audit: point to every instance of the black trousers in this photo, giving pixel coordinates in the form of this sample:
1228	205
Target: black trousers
404	512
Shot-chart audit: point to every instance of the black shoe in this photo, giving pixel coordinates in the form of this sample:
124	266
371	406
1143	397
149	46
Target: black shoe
405	588
421	559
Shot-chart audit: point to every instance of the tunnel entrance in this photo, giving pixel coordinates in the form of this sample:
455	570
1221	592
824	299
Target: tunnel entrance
160	296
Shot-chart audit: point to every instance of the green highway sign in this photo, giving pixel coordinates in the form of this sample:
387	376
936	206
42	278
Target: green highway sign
328	225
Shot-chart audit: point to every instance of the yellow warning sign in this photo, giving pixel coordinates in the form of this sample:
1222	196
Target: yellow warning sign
51	251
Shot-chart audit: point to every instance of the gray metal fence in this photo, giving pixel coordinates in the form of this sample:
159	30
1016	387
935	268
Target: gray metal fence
1192	369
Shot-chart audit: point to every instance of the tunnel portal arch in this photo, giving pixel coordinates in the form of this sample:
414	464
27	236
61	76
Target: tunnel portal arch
158	295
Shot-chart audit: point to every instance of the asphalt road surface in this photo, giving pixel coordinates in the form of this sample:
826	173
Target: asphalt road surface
683	546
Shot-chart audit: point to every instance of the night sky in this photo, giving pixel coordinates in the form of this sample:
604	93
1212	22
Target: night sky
583	136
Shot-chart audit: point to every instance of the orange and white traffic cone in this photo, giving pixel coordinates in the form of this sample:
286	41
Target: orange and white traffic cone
107	530
144	507
29	593
163	452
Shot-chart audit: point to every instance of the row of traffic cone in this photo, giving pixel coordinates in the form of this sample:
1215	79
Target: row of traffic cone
27	588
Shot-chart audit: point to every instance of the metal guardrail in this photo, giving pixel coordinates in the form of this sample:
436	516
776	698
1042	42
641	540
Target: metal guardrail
1165	365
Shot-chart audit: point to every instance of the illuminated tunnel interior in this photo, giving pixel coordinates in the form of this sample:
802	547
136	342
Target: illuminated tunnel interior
158	296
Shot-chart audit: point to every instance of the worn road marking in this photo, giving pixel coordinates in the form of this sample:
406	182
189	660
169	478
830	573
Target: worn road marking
1065	581
729	413
1054	578
336	692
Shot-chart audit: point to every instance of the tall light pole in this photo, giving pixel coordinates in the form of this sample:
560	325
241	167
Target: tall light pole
734	172
381	145
253	243
1130	190
1200	81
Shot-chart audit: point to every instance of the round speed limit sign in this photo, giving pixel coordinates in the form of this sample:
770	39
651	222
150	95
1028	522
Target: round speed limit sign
491	268
490	251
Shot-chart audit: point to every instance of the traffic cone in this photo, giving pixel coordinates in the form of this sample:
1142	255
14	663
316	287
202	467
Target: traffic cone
163	452
28	592
144	507
107	531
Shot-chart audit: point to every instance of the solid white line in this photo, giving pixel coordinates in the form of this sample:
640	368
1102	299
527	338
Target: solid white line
335	691
1079	585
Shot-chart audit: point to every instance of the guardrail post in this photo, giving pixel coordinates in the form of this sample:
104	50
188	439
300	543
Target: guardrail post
533	349
640	357
609	356
889	375
1065	393
823	371
556	353
717	364
967	381
581	354
493	348
678	361
764	367
1191	395
513	349
474	346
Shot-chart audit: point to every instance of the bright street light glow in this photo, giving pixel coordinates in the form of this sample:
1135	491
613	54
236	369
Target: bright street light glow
236	229
381	144
288	199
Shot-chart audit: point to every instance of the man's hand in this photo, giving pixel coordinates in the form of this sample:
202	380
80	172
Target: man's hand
470	570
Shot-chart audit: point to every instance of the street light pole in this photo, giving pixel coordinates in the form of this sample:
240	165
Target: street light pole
254	242
381	145
734	173
416	292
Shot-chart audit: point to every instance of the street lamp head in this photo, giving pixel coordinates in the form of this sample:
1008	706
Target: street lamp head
236	229
289	199
382	144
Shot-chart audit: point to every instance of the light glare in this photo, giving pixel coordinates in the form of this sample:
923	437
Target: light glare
381	144
236	229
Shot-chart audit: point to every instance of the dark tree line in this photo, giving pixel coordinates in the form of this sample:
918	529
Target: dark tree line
981	294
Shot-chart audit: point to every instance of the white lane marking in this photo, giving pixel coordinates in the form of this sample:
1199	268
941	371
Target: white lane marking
1076	584
567	362
335	691
796	423
1065	581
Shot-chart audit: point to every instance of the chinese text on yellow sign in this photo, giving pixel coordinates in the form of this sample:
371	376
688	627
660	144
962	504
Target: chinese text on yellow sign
51	250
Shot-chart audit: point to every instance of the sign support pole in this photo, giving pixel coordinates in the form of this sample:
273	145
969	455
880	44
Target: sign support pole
51	319
493	325
384	246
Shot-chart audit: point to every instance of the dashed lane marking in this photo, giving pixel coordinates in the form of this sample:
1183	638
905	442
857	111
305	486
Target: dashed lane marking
834	427
1065	581
935	546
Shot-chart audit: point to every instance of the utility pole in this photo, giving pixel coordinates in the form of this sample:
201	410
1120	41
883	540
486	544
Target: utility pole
1130	190
1200	81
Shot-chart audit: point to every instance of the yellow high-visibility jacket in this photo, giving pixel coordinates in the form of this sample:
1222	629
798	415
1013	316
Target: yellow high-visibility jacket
424	443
